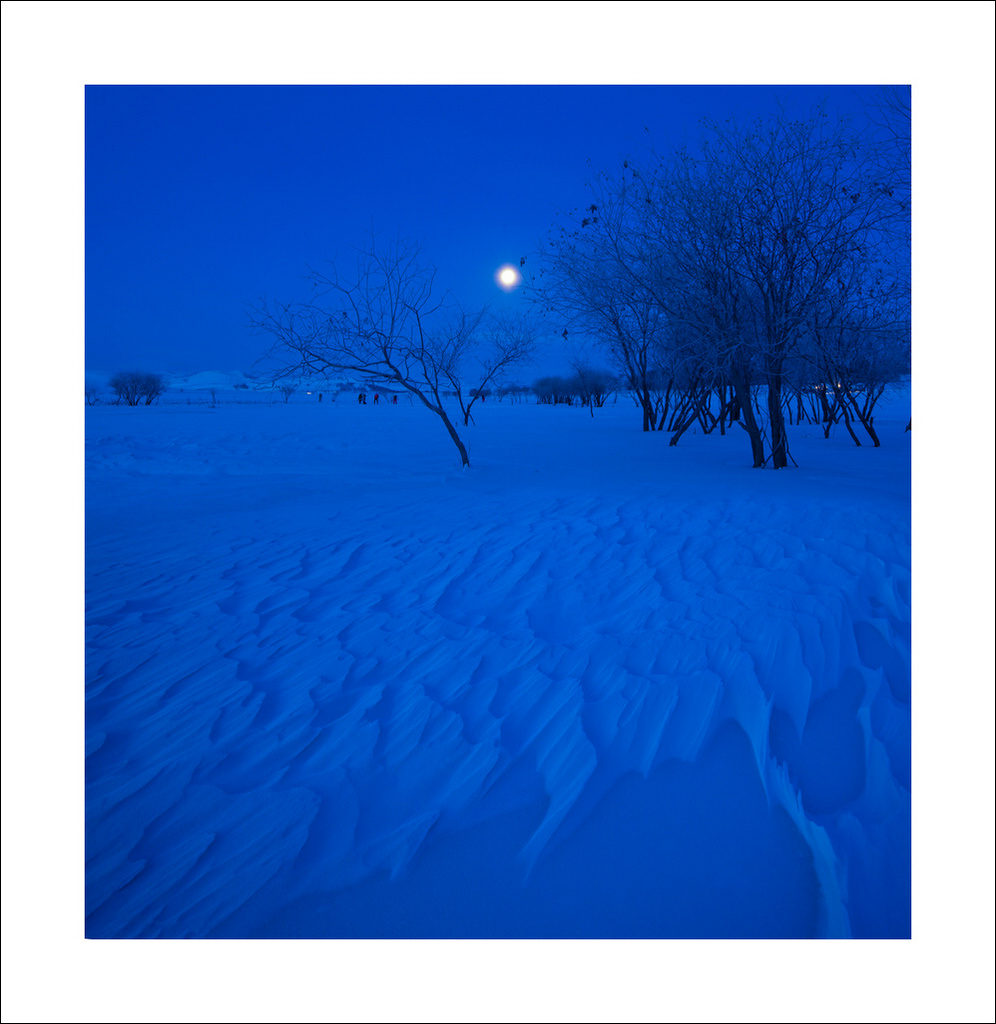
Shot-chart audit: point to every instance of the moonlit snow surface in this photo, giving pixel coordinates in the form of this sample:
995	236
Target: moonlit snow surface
594	686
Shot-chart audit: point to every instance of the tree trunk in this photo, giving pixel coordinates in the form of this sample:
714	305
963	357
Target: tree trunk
830	414
842	402
864	412
776	418
748	420
721	392
679	430
441	413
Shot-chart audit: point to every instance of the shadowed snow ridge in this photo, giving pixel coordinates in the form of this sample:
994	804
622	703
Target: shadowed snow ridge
336	689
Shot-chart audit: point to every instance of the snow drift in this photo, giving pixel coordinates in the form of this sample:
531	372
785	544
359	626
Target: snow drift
592	687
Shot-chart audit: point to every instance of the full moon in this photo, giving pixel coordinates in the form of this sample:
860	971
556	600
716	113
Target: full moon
508	277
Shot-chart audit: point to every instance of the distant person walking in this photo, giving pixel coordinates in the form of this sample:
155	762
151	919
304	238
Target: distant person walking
376	398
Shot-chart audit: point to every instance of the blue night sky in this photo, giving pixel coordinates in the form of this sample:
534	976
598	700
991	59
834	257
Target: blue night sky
201	200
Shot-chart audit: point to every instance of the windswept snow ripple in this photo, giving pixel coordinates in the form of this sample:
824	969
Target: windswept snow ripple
635	715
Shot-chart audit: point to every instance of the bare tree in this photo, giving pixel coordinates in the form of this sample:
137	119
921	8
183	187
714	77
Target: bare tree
133	387
684	231
594	274
126	387
859	345
154	385
556	390
756	229
706	274
591	383
380	325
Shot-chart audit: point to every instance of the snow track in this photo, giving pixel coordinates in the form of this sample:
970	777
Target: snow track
486	704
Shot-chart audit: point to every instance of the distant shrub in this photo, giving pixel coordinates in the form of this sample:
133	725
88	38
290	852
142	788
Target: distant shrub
135	388
556	390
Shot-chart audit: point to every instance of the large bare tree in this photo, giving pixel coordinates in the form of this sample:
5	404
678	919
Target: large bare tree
707	273
762	230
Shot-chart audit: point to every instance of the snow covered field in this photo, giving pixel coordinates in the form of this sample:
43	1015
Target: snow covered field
592	687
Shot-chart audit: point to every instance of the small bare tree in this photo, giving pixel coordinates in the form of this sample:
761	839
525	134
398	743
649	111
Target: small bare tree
381	325
134	388
126	387
593	384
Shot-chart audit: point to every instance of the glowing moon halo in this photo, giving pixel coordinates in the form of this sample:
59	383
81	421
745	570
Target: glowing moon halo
508	277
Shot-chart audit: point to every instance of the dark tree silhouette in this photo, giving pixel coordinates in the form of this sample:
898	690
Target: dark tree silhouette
382	326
